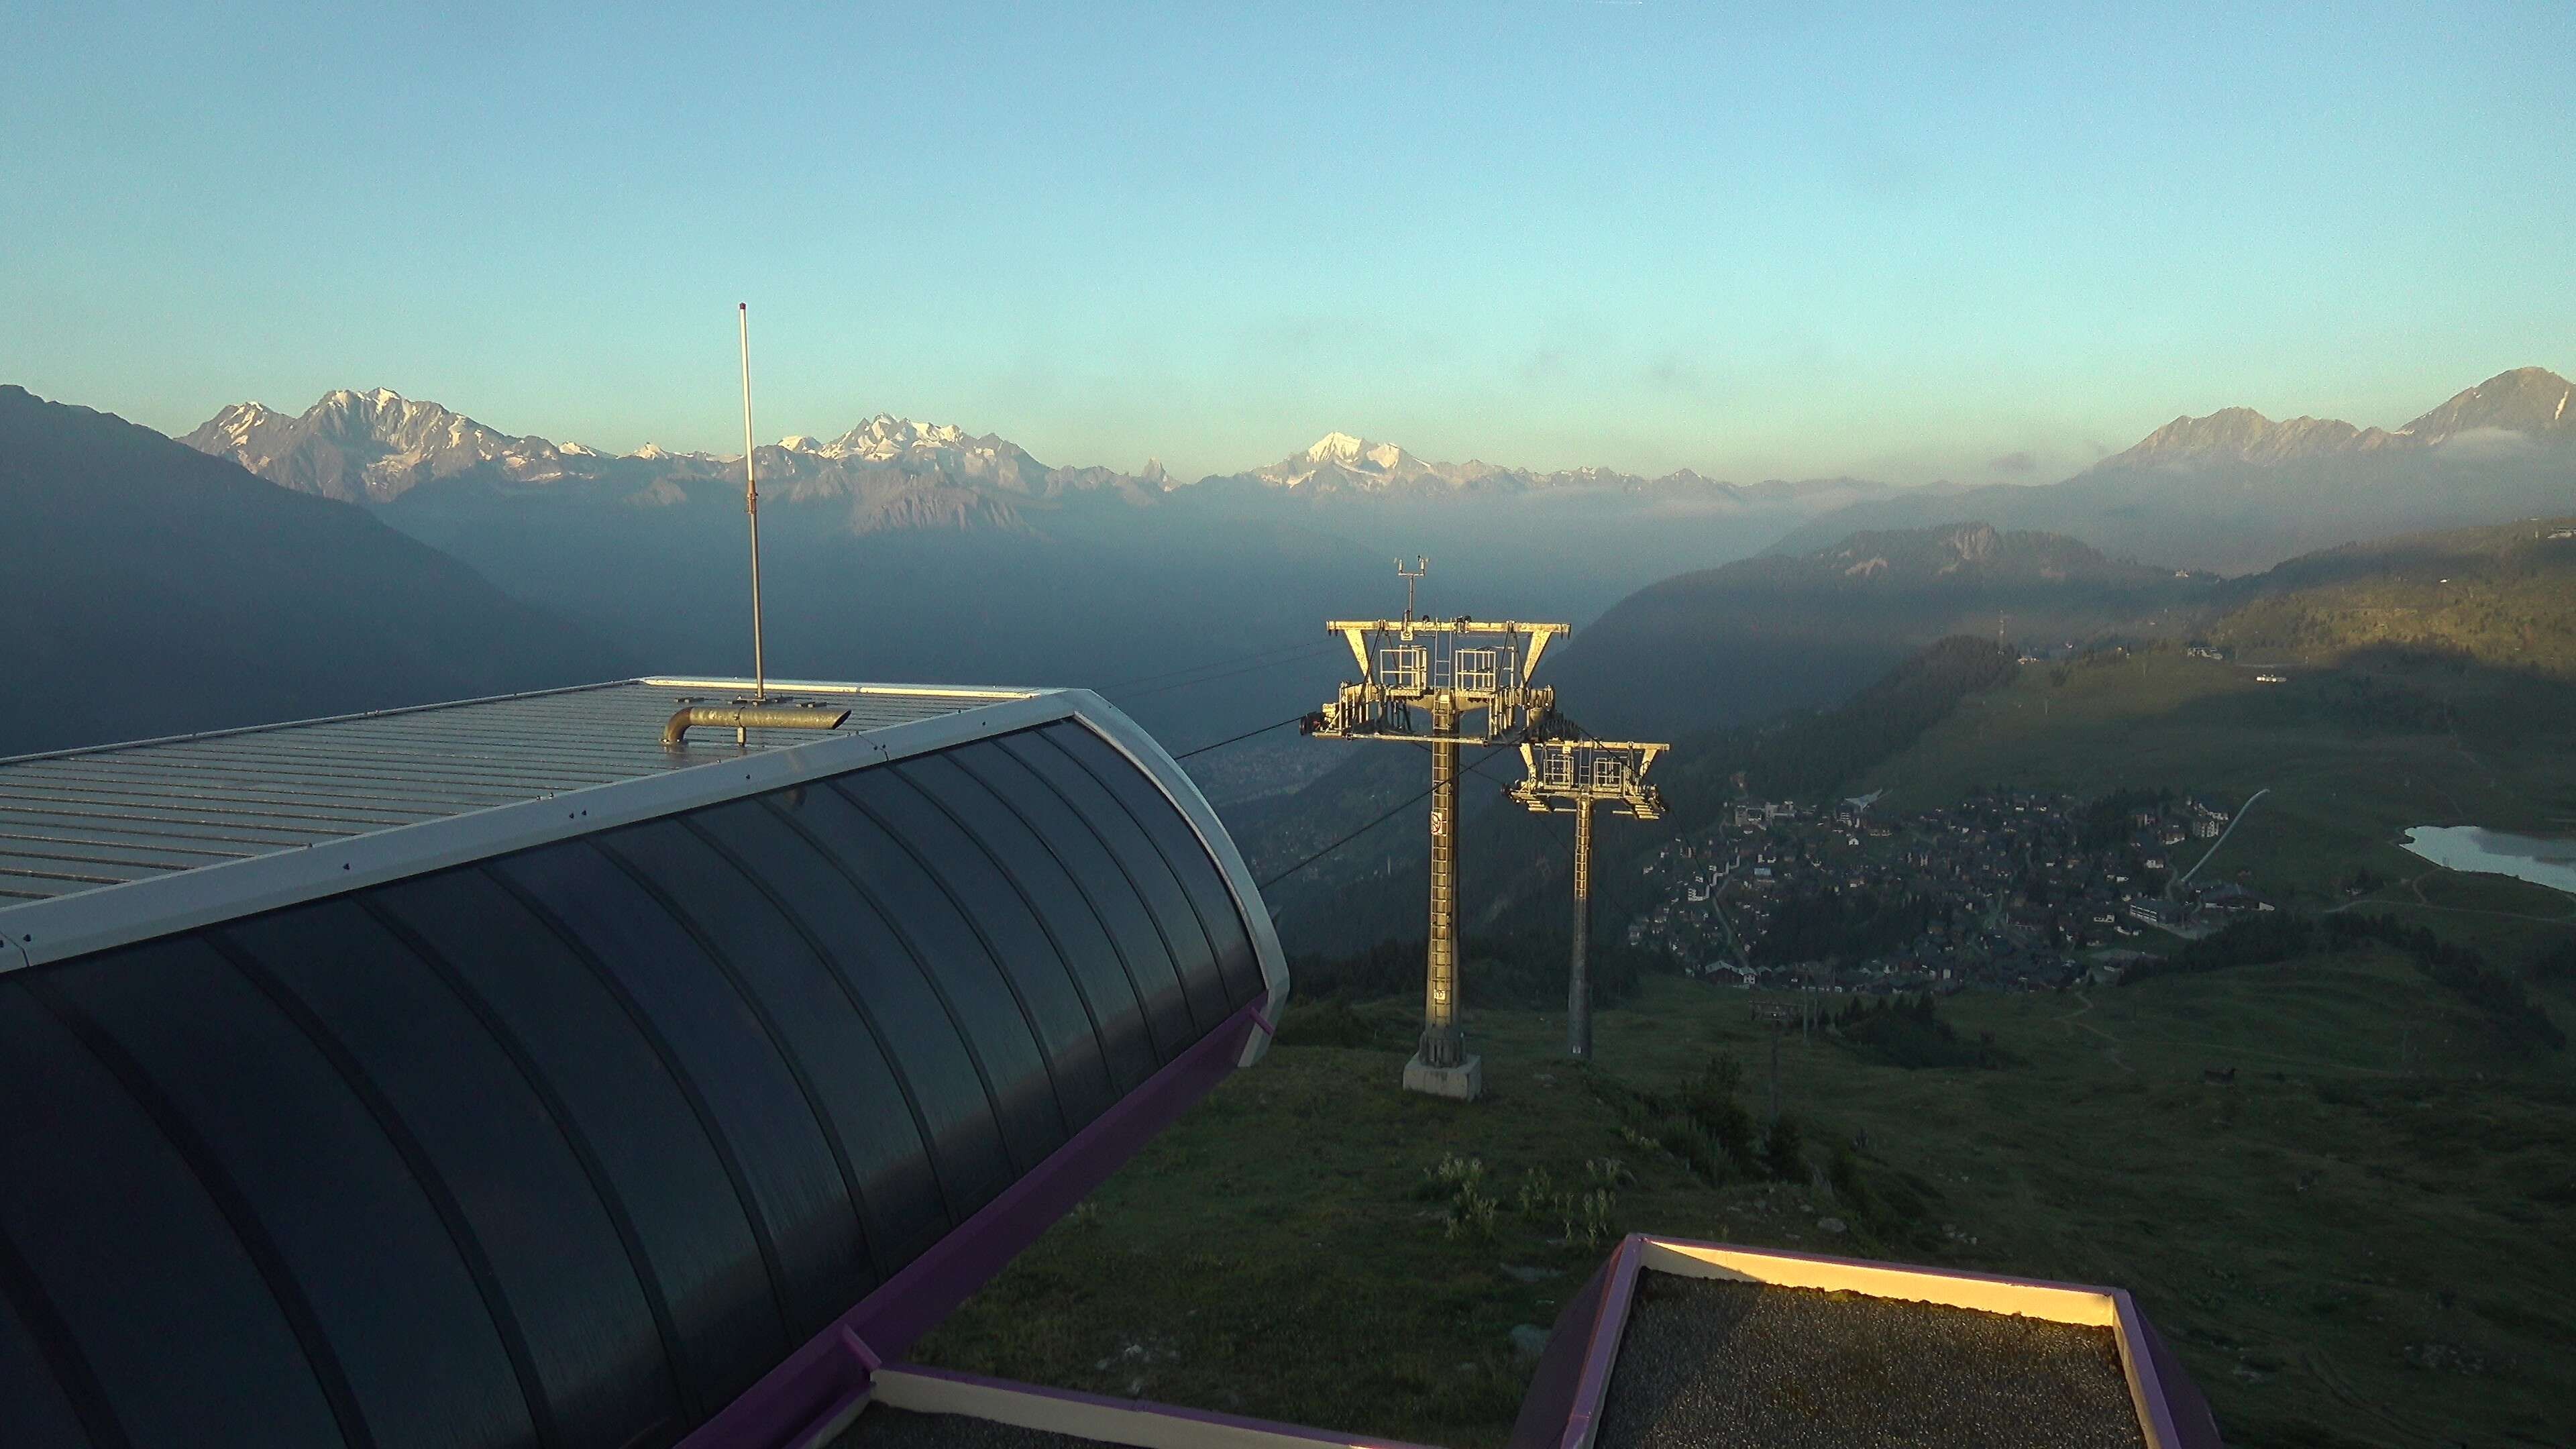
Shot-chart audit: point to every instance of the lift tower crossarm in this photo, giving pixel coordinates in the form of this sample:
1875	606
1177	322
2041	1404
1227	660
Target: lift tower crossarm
1405	663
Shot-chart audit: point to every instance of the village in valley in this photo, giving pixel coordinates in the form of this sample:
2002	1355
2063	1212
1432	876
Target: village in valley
2005	891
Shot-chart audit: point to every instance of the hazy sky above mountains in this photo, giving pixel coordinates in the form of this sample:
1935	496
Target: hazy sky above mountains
1647	235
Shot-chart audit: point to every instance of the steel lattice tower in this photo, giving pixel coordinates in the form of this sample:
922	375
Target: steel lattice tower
1448	669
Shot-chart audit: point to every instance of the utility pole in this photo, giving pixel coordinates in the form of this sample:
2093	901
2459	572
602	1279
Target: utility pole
1576	774
1450	669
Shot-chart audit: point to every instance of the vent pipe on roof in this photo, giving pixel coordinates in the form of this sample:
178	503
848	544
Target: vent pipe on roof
750	717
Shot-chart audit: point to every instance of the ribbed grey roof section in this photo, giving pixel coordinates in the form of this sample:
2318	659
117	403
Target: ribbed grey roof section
80	820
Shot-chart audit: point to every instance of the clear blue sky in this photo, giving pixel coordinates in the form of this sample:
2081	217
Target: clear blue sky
1738	238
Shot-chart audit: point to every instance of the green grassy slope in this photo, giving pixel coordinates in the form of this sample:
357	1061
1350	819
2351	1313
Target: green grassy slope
2359	1242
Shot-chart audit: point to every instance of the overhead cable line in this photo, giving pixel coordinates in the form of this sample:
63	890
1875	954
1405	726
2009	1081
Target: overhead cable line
1229	674
1210	664
1372	825
1238	739
1265	656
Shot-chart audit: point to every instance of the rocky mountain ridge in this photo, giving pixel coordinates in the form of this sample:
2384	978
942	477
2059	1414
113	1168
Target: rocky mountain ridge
2529	401
2237	492
2233	490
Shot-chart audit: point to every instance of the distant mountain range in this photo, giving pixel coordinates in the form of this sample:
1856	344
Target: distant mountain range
2238	492
906	548
377	446
891	521
2234	491
372	447
2516	410
152	590
1341	466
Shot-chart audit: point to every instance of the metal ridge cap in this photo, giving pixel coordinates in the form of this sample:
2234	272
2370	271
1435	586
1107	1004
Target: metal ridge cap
117	915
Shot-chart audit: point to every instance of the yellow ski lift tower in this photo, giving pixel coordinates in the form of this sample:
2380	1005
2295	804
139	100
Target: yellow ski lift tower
1419	680
1576	774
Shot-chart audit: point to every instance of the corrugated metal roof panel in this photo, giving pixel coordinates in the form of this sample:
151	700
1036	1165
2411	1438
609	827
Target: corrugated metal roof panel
80	820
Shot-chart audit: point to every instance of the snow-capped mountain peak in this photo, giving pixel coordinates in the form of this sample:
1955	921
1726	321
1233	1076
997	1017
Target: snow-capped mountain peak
1343	450
885	437
1336	448
373	445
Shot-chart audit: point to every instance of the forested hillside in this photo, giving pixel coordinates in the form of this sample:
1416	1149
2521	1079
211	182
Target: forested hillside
2503	596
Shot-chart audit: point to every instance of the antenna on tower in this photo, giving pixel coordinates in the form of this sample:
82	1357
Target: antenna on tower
1411	577
751	506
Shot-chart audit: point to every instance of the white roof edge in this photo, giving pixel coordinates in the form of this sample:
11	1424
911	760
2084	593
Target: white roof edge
825	686
96	920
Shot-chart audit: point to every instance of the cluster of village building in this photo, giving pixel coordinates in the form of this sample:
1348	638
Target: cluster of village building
2004	891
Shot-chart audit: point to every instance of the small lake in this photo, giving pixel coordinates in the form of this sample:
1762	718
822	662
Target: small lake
2525	857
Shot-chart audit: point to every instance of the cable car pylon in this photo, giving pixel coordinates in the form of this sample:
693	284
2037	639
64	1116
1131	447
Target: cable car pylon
1575	774
1448	669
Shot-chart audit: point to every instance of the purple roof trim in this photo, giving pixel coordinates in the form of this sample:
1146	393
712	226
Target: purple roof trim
2142	1362
1550	1399
1601	1345
1168	1411
824	1379
2195	1427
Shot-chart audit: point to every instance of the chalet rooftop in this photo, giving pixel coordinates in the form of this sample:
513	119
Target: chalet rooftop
356	790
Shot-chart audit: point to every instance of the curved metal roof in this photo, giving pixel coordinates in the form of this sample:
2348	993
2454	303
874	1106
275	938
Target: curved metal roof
569	1132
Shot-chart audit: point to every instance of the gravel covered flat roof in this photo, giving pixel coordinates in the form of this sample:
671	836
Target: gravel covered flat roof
881	1426
1706	1362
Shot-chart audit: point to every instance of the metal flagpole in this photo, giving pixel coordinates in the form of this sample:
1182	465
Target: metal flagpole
751	506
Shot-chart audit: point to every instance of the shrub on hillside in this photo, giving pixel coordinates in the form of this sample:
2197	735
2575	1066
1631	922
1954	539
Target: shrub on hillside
2509	1009
2256	941
1708	1101
1908	1032
1701	1125
1784	1153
